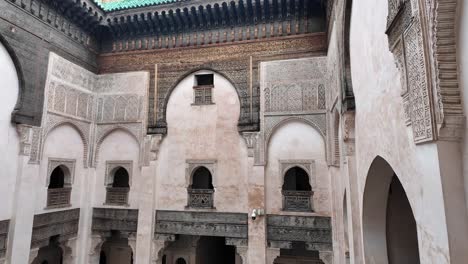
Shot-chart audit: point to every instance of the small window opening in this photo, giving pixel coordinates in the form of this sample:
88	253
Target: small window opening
200	192
202	179
296	190
121	178
117	191
204	84
296	179
204	79
59	190
57	179
180	261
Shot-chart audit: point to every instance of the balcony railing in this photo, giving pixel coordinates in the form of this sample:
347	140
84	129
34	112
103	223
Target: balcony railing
58	197
298	201
117	195
200	198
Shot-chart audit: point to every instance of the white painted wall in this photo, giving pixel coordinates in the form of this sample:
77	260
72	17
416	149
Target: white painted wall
380	130
119	145
203	132
63	142
297	141
463	62
9	141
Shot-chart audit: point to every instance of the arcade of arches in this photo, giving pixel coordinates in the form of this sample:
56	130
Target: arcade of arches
234	132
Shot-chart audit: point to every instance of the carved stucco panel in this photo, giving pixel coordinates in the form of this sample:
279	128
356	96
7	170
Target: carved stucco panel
420	98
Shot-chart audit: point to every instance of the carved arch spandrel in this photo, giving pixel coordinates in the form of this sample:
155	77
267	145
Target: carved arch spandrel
134	130
232	73
272	124
81	128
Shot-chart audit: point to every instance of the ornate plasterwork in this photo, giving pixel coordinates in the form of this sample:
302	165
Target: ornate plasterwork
68	163
313	230
111	165
420	35
107	219
229	225
406	38
95	105
63	223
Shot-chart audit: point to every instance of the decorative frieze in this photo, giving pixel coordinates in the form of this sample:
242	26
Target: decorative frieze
229	225
62	223
315	231
107	219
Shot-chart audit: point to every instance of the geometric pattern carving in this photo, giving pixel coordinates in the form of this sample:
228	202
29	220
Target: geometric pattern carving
63	223
229	225
107	219
75	94
119	108
294	98
406	43
316	231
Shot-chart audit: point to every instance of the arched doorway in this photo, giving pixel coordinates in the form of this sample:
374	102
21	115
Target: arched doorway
51	253
298	254
118	187
59	189
213	250
389	226
116	250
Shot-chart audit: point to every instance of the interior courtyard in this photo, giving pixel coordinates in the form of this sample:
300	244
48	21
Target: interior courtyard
233	132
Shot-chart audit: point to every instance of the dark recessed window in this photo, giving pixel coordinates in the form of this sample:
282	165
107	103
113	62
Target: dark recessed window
204	79
204	84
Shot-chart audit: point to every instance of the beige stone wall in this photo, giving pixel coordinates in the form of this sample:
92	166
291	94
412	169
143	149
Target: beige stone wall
381	131
201	133
9	141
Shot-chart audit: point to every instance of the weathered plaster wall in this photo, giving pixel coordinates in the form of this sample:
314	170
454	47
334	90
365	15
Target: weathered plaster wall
63	142
463	62
204	132
9	141
297	141
118	146
380	130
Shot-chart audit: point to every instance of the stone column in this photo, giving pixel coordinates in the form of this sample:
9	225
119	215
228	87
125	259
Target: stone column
256	199
146	212
326	257
95	249
159	243
350	173
69	251
271	255
21	224
242	251
33	255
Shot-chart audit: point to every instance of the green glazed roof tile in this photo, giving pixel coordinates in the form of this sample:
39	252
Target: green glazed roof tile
125	4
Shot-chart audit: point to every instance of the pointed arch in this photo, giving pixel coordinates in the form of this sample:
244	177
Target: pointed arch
388	211
17	117
100	139
79	130
162	108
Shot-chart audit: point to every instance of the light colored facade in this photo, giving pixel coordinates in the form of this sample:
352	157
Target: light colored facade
386	178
